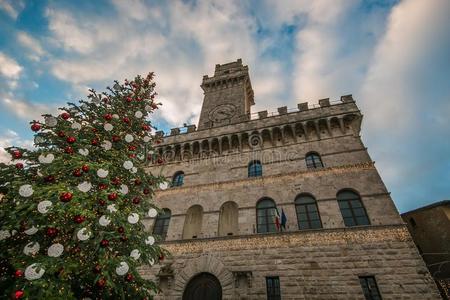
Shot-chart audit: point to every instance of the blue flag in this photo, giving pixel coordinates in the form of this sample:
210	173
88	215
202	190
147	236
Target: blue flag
283	219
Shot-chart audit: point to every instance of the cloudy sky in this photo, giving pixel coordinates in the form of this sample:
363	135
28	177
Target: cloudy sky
393	56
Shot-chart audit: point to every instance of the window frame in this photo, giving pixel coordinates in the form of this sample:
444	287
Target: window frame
370	292
163	228
307	212
313	160
252	170
273	288
176	181
351	208
269	219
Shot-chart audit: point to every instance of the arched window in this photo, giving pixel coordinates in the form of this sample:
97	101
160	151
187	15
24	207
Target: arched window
254	168
307	212
228	219
193	222
265	213
178	179
313	160
162	223
352	209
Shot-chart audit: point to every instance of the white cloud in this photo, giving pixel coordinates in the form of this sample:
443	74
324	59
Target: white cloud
12	8
9	67
25	109
31	44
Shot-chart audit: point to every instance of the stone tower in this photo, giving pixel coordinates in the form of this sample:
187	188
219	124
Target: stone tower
279	205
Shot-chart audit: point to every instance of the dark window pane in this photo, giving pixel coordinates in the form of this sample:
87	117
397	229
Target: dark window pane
346	213
343	204
311	207
314	216
304	225
316	224
358	212
370	288
303	217
362	221
356	203
273	288
349	222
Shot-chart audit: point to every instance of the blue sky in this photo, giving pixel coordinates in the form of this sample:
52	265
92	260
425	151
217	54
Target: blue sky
393	56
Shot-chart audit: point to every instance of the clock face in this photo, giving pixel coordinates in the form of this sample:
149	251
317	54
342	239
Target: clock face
222	112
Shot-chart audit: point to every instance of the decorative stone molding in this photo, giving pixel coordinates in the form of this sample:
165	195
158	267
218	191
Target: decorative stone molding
248	275
311	238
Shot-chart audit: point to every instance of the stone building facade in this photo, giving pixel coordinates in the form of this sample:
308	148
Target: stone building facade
430	229
238	173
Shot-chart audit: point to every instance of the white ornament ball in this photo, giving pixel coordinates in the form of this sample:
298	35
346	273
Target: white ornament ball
46	159
133	170
150	240
151	261
115	116
133	218
84	187
124	189
32	273
128	164
146	139
135	254
107	145
44	206
148	108
163	185
84	152
83	234
104	220
31	231
129	138
51	121
108	127
138	114
55	250
102	173
152	213
26	190
4	234
76	126
111	208
122	269
31	248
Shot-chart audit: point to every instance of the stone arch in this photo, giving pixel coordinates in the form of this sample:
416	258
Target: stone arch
205	263
215	150
277	136
288	134
228	219
225	144
266	138
193	222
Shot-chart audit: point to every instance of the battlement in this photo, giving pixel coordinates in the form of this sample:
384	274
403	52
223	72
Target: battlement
303	108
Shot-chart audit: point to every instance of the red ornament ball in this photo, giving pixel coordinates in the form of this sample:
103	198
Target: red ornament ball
18	294
79	219
129	99
97	269
126	120
18	274
108	117
137	181
94	142
136	200
65	115
61	134
36	127
52	231
77	173
71	140
129	277
131	148
19	165
146	127
154	105
102	202
116	181
65	197
146	191
120	229
123	238
132	155
104	243
101	282
85	168
115	138
68	150
102	186
112	196
49	178
16	154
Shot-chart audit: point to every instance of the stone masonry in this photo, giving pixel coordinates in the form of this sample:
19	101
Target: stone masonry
311	264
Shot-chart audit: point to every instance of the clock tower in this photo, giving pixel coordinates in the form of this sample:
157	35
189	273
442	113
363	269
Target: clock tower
228	96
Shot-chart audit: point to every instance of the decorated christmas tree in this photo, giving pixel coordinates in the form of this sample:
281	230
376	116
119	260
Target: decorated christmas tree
72	210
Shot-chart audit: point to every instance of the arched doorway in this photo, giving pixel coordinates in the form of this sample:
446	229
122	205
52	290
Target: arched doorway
203	286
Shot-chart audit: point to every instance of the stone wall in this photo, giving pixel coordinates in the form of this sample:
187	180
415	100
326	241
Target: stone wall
315	264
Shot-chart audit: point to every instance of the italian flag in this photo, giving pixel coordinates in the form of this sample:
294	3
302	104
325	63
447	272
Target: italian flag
277	219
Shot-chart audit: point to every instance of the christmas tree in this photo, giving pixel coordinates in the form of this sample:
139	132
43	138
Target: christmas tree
70	217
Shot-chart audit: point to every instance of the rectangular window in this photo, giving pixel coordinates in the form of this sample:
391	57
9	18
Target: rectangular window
370	287
273	288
